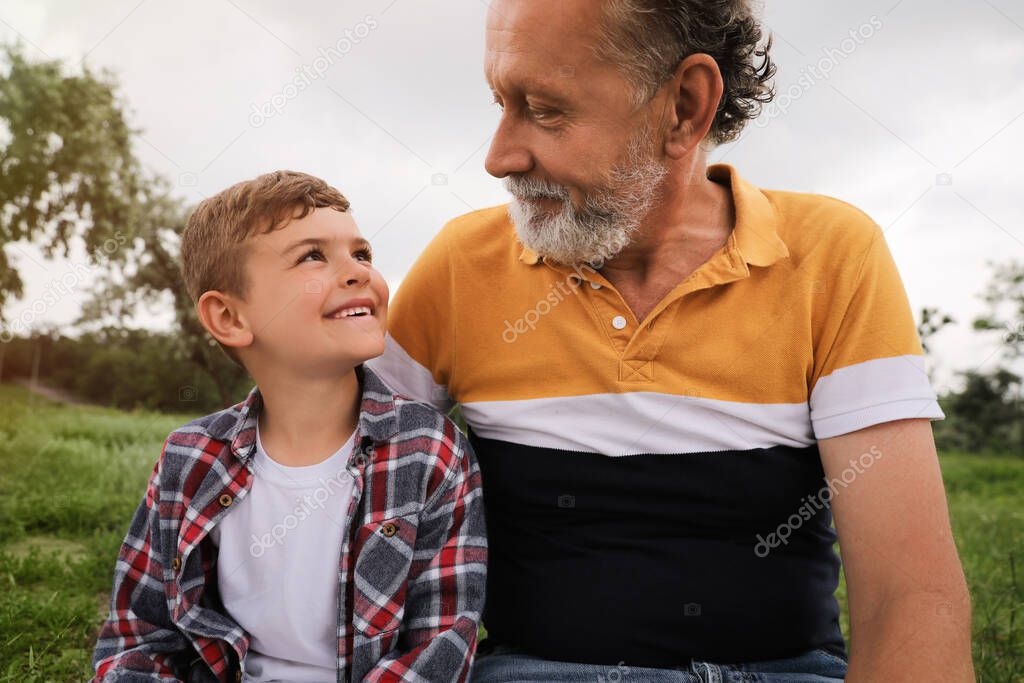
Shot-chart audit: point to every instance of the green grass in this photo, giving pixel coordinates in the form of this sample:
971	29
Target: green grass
70	479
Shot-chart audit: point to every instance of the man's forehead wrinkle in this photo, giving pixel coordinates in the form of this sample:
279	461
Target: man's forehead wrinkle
527	69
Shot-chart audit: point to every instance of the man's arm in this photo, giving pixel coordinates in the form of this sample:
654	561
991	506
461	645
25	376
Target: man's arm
138	641
445	596
910	612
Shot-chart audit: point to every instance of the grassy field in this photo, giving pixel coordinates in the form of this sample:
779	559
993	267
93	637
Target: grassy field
70	479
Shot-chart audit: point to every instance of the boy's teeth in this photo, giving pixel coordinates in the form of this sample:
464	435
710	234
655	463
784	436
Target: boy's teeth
352	311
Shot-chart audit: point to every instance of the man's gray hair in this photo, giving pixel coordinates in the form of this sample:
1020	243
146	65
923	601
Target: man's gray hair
647	39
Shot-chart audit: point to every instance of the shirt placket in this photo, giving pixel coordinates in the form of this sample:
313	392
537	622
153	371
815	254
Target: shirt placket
360	460
637	343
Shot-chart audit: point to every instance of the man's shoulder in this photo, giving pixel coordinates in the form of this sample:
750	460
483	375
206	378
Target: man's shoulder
477	242
483	237
481	220
809	222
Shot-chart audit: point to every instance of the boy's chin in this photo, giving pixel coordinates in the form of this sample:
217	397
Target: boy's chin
366	349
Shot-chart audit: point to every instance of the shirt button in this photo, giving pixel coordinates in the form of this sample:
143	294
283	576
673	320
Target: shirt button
618	322
389	530
176	563
360	460
225	500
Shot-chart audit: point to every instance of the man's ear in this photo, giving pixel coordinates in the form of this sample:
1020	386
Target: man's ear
219	313
695	91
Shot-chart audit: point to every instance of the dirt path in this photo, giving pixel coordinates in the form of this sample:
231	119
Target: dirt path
58	395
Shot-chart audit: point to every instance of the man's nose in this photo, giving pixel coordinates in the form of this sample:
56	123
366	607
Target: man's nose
507	154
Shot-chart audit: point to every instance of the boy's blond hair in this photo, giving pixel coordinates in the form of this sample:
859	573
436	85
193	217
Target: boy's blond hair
214	244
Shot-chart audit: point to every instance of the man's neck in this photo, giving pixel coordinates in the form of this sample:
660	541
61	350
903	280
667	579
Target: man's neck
692	220
304	421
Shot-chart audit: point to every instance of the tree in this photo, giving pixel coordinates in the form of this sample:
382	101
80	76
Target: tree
1005	298
150	273
932	320
67	173
67	169
986	413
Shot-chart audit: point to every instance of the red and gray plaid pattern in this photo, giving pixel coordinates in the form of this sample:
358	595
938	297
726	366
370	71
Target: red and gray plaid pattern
412	568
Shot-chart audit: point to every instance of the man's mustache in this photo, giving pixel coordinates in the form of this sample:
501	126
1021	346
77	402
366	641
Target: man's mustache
522	187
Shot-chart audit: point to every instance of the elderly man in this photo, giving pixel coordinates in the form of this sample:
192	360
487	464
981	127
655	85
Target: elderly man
673	378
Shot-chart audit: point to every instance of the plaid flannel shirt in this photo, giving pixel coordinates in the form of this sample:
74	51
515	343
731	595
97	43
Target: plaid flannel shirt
412	568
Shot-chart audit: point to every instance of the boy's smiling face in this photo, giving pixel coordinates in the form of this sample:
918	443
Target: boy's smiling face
314	302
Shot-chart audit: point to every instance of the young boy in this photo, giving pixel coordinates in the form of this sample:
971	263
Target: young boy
324	529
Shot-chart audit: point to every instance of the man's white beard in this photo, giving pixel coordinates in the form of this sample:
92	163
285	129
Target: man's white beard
608	219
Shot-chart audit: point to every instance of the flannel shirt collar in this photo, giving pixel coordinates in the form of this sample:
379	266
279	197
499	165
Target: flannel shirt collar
755	236
377	418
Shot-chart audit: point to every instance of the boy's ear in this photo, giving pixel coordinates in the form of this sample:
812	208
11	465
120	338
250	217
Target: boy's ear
219	314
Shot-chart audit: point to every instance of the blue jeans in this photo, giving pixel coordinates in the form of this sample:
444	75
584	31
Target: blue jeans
507	665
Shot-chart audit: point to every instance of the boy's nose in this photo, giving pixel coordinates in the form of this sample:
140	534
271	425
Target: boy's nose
354	274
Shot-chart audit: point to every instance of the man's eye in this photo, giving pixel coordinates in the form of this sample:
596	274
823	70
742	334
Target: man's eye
365	255
314	251
543	115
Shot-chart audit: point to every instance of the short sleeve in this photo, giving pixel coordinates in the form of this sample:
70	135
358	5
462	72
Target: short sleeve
417	359
869	365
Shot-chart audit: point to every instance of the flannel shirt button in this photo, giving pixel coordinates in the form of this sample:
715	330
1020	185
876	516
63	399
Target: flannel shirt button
360	460
389	529
238	676
225	500
176	563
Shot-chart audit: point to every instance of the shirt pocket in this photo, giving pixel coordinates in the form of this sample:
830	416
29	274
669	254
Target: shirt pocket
382	574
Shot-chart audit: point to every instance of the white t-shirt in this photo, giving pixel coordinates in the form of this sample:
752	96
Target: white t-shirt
277	566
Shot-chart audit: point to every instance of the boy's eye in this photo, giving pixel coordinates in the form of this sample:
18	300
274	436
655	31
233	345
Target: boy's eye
314	251
365	255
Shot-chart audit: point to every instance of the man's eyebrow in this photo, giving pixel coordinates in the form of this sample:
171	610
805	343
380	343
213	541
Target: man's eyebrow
538	88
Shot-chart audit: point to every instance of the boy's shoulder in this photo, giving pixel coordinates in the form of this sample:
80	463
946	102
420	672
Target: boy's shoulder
210	436
416	425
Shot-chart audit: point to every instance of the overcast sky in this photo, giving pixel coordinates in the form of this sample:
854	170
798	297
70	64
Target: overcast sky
916	118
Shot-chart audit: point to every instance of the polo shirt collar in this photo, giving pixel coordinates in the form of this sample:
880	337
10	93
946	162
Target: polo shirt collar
755	235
